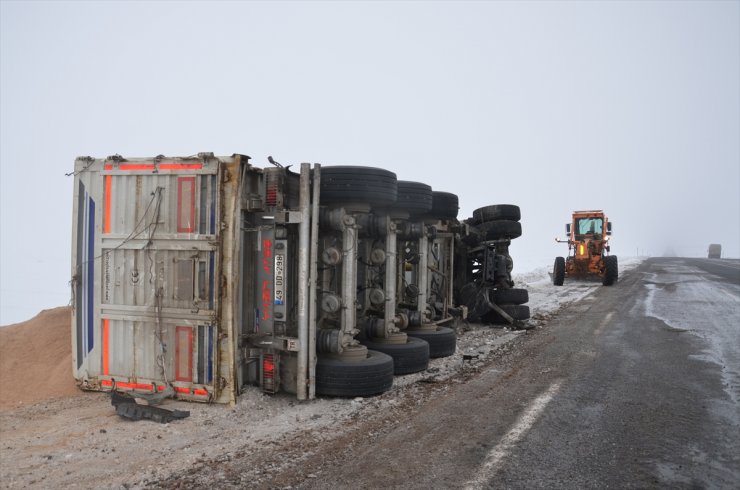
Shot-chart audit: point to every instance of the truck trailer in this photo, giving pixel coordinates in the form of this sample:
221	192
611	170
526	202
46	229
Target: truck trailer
205	275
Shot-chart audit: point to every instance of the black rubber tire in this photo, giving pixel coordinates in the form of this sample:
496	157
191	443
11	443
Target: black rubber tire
371	376
411	357
517	312
344	184
513	296
558	271
495	230
468	295
612	270
495	212
444	205
414	197
442	341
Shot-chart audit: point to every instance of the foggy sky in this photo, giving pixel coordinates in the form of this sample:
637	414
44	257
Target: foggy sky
630	107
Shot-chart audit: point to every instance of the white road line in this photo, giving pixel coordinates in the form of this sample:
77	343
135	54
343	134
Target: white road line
604	323
521	427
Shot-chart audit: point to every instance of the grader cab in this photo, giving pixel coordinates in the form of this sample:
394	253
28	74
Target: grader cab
588	250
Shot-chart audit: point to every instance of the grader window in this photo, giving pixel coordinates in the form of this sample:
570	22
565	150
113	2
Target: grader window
585	226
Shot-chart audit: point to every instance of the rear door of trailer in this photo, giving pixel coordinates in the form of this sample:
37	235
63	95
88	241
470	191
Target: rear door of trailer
145	271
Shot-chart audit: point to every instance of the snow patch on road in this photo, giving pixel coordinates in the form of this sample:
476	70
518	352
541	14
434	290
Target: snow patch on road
686	302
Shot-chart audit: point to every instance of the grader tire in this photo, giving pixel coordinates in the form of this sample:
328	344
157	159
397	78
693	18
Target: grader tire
612	270
558	271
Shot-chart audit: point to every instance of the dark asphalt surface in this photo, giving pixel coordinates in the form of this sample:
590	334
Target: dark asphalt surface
634	386
605	396
641	406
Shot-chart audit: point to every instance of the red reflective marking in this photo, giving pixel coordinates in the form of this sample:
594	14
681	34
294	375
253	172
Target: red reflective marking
184	354
201	392
185	204
108	167
182	390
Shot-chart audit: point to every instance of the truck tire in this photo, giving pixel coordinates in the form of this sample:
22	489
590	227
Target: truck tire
442	341
444	205
517	312
558	271
495	230
513	296
410	357
413	197
370	376
495	212
612	270
349	184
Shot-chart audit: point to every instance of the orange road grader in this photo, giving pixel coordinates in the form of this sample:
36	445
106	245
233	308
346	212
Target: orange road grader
588	249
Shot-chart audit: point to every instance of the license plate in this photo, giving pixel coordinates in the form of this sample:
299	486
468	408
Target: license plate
279	279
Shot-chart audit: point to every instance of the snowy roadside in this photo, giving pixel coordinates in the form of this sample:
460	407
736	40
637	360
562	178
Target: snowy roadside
77	441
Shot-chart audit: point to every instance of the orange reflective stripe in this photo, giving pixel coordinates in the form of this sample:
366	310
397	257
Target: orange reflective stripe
130	386
136	166
182	390
106	216
106	334
181	166
201	392
151	166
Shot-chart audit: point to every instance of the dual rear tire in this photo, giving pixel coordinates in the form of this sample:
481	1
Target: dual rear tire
365	377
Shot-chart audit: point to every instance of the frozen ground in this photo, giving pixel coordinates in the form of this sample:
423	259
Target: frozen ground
79	441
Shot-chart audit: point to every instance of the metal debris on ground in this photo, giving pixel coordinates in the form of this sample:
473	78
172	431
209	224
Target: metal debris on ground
127	407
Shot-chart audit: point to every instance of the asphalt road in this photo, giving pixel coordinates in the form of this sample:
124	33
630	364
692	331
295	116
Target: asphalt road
635	386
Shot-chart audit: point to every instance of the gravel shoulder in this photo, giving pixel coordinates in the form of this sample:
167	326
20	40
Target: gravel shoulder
75	439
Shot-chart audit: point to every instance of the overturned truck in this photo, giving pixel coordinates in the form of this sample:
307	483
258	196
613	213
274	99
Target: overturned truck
205	275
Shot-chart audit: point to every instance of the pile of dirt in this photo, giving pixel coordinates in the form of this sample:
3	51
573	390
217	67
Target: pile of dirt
36	359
